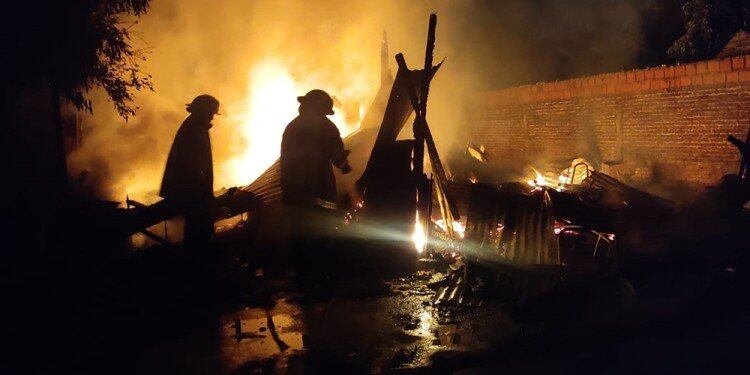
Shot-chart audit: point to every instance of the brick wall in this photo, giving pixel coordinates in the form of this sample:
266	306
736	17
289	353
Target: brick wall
670	120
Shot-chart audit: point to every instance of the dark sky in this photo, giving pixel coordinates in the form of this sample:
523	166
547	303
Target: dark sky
517	42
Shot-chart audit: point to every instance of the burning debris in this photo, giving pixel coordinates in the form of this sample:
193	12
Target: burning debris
443	265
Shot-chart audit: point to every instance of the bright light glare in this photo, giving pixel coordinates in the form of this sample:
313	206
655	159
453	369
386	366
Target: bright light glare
419	238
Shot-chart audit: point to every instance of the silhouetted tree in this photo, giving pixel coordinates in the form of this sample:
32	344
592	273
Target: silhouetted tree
58	51
66	48
709	24
75	46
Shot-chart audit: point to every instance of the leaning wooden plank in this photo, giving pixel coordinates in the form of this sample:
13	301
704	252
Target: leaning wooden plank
425	135
397	111
156	238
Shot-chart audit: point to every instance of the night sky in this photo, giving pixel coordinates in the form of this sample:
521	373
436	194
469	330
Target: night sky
519	42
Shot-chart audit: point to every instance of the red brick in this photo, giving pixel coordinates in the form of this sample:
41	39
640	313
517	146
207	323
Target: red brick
713	78
726	65
663	117
701	67
713	66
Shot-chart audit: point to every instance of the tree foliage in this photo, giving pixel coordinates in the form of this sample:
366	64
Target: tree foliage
74	46
709	24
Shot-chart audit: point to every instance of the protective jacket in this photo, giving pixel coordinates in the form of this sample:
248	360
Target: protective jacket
188	175
309	146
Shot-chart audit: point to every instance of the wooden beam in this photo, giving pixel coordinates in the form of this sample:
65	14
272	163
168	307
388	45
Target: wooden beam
155	237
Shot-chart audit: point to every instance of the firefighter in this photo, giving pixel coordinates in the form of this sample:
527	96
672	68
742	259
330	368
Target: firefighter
311	144
310	147
188	177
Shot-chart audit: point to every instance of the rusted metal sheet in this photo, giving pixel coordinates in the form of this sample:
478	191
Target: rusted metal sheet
512	228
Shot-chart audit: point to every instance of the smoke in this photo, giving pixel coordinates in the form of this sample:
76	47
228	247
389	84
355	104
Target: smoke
257	56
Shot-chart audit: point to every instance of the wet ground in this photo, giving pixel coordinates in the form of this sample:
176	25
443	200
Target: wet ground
159	313
397	326
371	327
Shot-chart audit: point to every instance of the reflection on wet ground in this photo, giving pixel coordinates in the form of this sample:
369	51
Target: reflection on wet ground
257	335
400	329
398	324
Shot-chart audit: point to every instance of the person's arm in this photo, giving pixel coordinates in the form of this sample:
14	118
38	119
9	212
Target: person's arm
336	149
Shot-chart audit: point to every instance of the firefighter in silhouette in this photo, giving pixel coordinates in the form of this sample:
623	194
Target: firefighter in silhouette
310	146
188	177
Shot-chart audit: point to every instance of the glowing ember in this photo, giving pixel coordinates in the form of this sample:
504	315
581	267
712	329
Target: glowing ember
419	238
538	180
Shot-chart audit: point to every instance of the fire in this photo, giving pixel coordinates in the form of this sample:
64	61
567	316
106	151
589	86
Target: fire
419	238
270	105
538	181
458	227
578	171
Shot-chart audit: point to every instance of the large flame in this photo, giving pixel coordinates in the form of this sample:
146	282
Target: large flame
270	104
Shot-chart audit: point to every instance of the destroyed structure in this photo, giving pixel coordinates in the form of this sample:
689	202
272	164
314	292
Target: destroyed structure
597	141
557	190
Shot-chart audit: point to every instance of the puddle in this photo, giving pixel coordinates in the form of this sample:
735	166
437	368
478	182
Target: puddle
258	335
403	330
